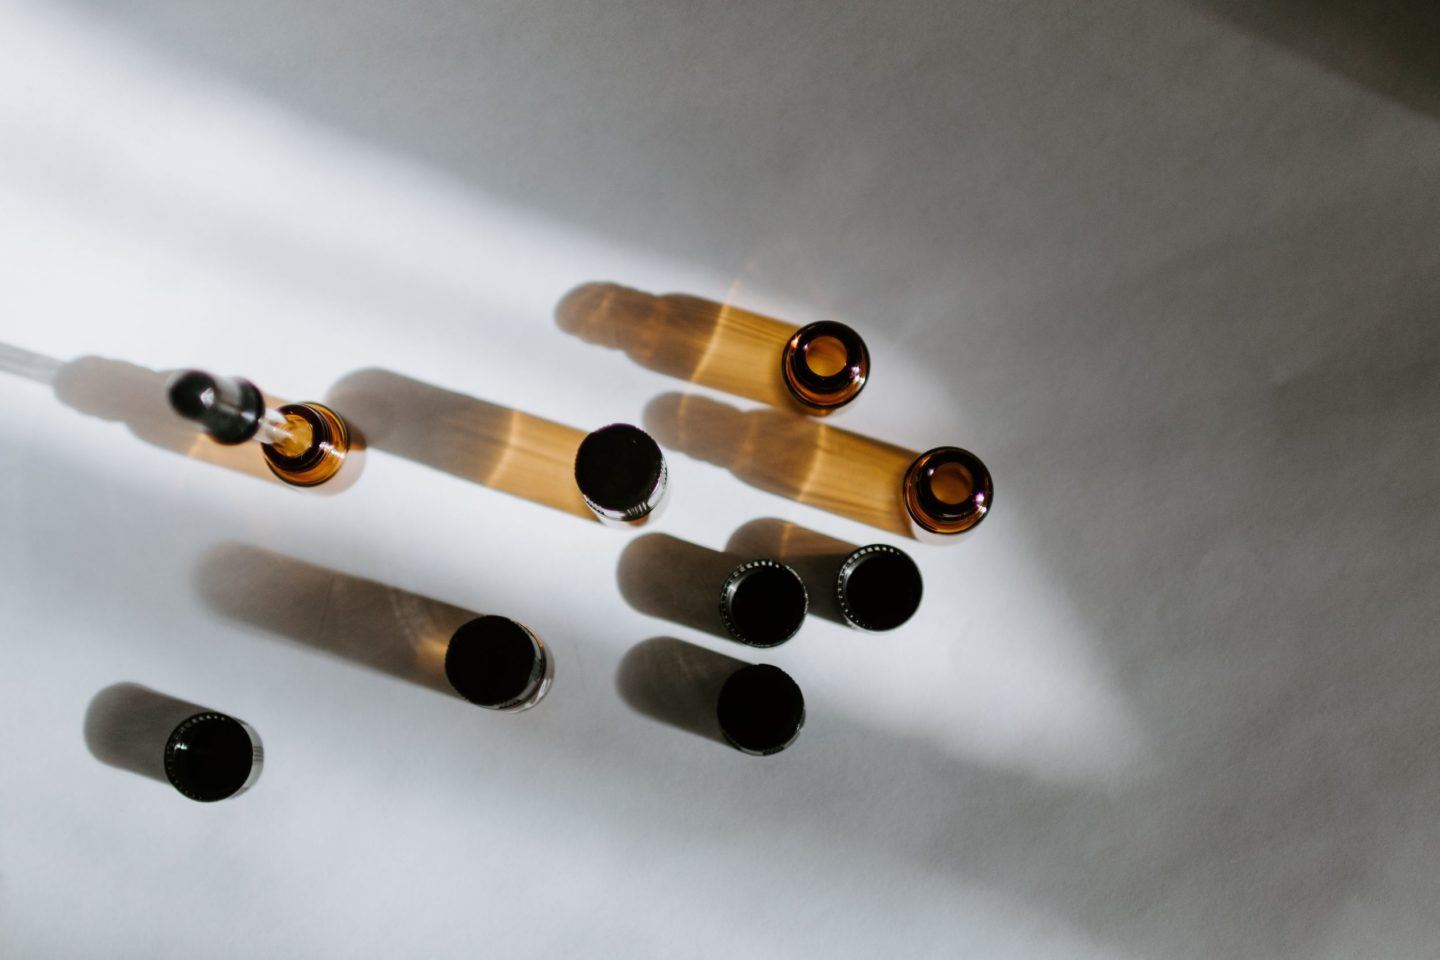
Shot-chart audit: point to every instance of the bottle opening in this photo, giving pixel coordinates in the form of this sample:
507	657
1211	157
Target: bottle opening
299	436
952	483
825	356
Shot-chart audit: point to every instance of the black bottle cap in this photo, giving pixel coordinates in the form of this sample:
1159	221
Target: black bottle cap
761	710
211	757
494	662
878	587
229	408
763	603
620	471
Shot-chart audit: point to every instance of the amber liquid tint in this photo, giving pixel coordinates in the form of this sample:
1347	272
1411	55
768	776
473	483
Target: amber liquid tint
314	449
825	355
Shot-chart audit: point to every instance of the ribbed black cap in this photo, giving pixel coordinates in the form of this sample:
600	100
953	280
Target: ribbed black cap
763	603
620	471
879	587
761	710
210	757
494	662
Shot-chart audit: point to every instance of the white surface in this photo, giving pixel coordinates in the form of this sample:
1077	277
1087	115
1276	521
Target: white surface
1177	284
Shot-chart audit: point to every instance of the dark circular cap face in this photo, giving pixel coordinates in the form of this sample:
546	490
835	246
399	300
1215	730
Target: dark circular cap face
209	757
494	662
618	467
763	603
879	587
761	710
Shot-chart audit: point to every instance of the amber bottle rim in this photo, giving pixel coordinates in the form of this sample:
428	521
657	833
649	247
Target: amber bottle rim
825	391
940	515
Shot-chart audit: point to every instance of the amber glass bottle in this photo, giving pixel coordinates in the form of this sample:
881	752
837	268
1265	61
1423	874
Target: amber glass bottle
947	491
825	366
304	444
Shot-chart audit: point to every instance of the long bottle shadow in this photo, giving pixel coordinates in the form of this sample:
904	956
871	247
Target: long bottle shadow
797	457
714	344
371	624
485	443
676	683
676	580
132	395
127	726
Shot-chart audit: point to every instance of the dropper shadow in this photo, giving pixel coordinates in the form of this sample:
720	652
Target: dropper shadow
796	457
676	580
676	683
127	726
815	556
702	341
485	443
133	395
380	627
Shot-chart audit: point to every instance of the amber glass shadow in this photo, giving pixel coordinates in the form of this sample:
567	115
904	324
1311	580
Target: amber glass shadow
713	344
485	443
794	456
377	626
135	396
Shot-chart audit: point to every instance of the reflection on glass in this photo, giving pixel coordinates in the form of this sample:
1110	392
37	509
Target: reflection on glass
814	369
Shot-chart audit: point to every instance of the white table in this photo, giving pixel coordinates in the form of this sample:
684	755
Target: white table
1173	275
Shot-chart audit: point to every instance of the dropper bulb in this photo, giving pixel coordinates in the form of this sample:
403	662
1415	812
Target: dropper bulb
229	408
193	394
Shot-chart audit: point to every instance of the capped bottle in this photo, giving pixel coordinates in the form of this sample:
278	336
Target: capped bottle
760	710
496	663
763	603
621	474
